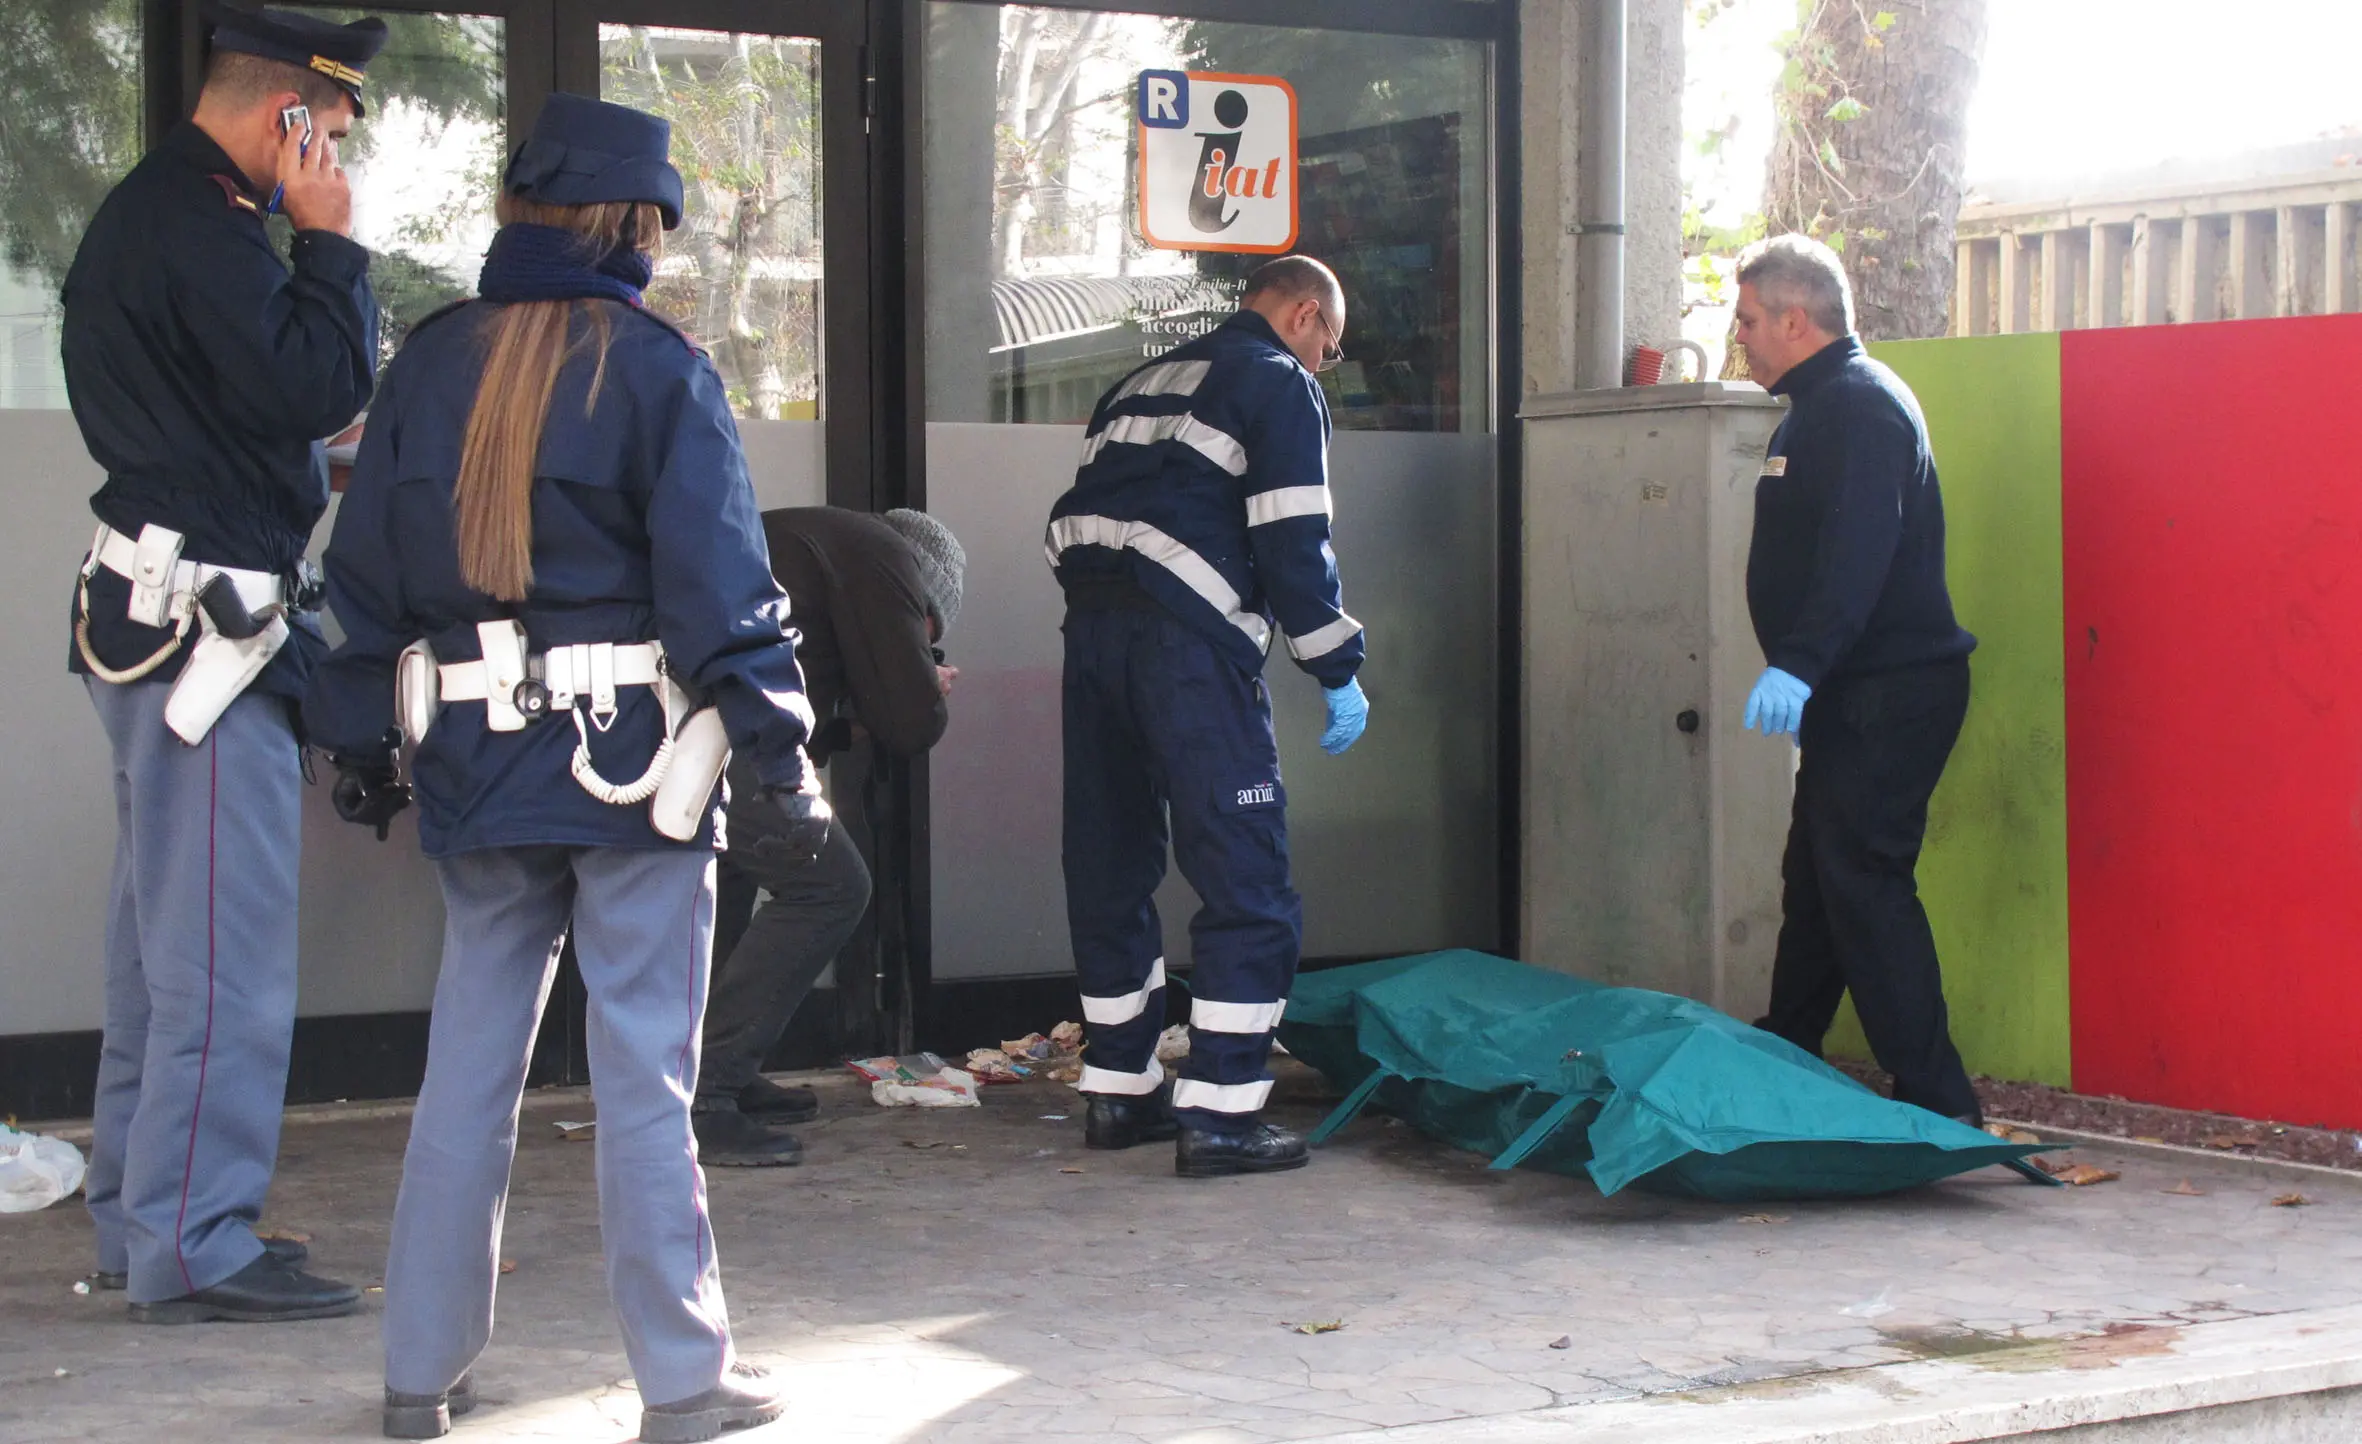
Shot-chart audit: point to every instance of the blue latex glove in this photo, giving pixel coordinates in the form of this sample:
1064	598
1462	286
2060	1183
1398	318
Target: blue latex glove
1777	703
1349	713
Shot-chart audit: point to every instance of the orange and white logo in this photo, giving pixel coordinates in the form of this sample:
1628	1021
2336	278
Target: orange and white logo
1217	161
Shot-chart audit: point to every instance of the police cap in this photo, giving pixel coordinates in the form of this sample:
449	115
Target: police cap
585	152
340	52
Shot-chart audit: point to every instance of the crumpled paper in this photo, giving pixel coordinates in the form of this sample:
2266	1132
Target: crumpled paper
36	1170
951	1088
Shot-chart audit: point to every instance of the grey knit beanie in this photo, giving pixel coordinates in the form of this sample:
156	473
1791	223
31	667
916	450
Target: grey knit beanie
943	563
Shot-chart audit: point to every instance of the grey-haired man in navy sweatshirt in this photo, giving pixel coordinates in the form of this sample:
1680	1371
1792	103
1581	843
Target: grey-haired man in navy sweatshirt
1866	667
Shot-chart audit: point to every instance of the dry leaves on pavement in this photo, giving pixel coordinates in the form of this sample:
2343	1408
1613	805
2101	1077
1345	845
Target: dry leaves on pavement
2292	1200
2079	1175
1328	1327
2184	1190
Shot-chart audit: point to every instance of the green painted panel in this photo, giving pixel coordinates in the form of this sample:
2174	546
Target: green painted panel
1995	871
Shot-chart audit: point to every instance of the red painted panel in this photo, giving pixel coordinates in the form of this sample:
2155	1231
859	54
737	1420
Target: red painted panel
2213	536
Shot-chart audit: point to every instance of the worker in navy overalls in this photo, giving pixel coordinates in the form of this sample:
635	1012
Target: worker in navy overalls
203	369
551	576
1198	521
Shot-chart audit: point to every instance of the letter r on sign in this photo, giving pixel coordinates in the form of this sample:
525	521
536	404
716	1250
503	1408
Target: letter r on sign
1164	99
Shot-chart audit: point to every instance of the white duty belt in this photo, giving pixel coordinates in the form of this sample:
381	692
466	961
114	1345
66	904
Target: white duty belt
164	593
163	590
519	688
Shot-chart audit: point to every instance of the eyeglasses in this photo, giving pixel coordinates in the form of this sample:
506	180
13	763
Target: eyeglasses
1332	355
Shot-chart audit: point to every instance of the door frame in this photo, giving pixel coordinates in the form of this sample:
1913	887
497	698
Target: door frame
874	416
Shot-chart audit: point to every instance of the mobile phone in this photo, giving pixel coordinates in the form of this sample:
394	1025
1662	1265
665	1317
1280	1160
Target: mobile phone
298	115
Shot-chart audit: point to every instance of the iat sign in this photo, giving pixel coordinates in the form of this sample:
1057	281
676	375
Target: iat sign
1217	161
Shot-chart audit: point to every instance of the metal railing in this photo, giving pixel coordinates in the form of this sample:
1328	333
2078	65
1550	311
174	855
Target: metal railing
2283	246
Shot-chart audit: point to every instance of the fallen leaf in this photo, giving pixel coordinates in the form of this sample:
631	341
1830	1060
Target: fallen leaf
2083	1175
2292	1200
2184	1190
914	1143
1329	1327
2231	1140
1070	1170
1563	1341
2147	1138
1763	1218
508	1265
577	1132
2009	1134
286	1234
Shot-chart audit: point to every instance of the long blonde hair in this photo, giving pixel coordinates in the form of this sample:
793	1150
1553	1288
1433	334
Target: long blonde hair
529	343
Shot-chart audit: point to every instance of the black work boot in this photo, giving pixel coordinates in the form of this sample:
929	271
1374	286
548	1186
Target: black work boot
777	1103
285	1250
428	1416
745	1397
1119	1120
1263	1148
727	1138
265	1291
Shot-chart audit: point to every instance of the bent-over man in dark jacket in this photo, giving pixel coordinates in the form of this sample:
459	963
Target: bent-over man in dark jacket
1867	666
872	595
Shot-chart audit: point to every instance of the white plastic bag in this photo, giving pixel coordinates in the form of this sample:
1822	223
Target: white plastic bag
951	1088
36	1171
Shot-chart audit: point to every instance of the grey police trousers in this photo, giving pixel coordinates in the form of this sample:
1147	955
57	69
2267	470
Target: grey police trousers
643	931
192	1075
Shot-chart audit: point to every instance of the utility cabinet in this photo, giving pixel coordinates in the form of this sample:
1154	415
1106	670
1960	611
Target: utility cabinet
1652	822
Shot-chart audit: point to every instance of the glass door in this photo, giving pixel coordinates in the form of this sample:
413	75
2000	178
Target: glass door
768	269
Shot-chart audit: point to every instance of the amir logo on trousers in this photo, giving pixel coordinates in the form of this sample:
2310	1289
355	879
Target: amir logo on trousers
1265	795
1217	161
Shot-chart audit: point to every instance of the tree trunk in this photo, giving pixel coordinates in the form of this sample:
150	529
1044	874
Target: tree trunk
1873	112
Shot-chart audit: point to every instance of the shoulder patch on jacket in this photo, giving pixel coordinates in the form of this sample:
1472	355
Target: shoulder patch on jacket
236	195
685	338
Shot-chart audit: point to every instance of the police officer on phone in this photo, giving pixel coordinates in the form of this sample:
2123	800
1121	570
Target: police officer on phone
203	366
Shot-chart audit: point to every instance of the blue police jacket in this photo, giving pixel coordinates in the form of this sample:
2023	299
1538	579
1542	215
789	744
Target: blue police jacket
1845	574
202	369
644	528
1205	481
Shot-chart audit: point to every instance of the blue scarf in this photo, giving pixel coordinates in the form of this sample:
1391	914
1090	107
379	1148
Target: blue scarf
546	263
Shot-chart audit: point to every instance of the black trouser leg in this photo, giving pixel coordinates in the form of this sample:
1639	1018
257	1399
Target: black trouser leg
779	954
1807	983
1874	750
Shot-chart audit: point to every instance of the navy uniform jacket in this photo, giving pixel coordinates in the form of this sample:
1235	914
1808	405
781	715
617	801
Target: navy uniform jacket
203	371
644	528
1205	481
1846	572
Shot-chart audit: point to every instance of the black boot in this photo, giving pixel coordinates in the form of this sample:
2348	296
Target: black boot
265	1291
1263	1148
745	1397
1119	1120
727	1138
774	1103
428	1416
285	1250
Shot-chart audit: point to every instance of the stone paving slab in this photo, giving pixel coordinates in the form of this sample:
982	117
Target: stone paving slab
2284	1378
941	1276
